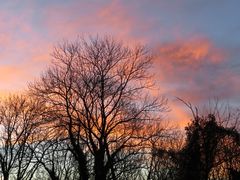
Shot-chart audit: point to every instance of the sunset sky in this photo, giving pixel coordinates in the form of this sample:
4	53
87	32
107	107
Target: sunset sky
197	42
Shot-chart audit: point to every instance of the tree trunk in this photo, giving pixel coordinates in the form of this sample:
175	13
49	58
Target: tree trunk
99	168
82	166
5	175
79	156
52	175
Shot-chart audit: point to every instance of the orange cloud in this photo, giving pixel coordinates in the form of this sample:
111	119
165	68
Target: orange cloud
195	70
191	52
7	73
179	116
15	77
185	60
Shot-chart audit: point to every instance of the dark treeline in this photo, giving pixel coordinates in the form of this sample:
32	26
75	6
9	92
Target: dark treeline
92	115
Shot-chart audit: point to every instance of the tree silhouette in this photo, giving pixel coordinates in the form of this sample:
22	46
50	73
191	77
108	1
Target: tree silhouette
211	149
203	148
98	90
19	119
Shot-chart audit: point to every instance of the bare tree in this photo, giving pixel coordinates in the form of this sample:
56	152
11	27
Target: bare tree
99	91
162	161
19	119
51	152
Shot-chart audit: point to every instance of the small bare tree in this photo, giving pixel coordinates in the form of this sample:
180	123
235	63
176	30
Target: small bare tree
99	91
52	154
19	119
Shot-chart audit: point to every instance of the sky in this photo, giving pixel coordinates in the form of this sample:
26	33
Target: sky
196	42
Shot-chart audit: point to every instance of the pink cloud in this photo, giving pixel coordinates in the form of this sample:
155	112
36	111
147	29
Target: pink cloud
183	60
23	52
13	78
191	52
195	70
113	18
